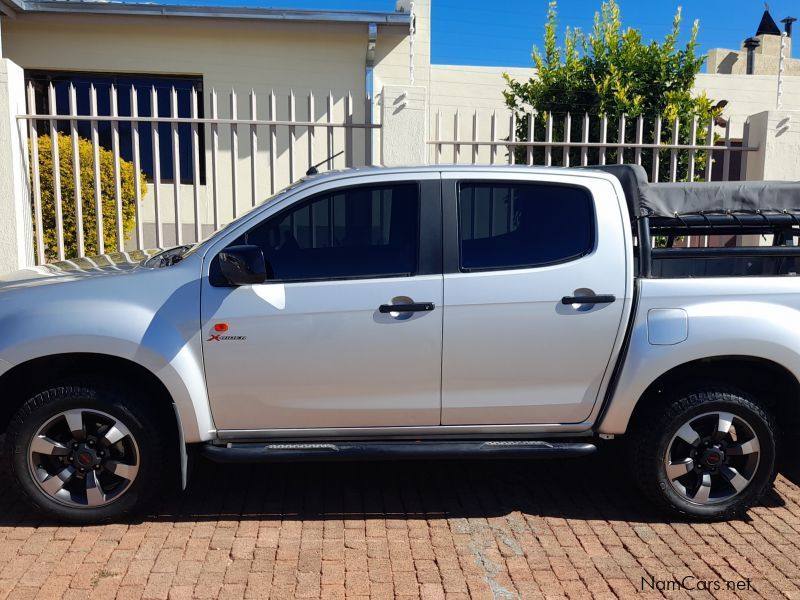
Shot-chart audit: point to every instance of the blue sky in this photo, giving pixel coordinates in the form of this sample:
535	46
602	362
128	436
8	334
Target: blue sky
486	32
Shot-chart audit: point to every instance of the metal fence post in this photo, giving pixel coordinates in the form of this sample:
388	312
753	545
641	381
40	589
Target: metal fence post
594	145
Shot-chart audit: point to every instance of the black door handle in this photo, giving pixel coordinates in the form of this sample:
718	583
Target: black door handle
414	307
601	299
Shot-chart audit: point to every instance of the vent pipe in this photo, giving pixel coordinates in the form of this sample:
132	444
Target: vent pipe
751	44
787	25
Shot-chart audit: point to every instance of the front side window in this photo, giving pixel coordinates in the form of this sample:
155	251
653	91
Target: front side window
351	233
507	225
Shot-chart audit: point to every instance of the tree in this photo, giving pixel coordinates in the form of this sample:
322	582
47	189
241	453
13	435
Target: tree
109	203
612	72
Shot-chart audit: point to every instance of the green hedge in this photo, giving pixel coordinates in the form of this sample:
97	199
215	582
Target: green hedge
109	206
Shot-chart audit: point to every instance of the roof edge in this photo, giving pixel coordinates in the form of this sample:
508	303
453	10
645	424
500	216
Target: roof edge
11	8
229	12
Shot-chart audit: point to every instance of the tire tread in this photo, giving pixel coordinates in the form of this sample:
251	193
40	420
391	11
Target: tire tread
661	416
88	391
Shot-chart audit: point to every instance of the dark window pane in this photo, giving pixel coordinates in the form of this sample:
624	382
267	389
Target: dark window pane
144	84
358	232
514	225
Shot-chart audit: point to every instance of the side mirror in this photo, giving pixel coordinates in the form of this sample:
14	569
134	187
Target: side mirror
243	265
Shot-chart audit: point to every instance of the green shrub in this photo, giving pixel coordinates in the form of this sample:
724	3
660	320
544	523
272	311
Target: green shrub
611	71
109	204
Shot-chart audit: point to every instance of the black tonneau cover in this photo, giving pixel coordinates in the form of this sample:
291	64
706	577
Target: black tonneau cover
679	199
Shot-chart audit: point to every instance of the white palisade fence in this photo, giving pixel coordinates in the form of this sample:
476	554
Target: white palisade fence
240	150
209	157
569	140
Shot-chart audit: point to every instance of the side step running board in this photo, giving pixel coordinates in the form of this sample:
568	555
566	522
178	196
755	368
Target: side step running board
314	451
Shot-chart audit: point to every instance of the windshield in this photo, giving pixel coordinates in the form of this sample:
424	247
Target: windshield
274	198
171	256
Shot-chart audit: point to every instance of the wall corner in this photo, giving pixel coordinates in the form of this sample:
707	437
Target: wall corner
16	230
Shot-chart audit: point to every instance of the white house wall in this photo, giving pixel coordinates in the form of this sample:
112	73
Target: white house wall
273	56
468	89
227	54
748	95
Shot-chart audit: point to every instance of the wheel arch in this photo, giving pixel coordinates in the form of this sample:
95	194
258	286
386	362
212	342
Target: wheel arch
745	372
762	378
25	379
178	375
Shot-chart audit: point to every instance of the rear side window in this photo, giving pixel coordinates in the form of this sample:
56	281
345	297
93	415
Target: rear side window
505	225
351	233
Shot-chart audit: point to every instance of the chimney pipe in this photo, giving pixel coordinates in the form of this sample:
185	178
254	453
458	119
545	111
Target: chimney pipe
751	44
787	25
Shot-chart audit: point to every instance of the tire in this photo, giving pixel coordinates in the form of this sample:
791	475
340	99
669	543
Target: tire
708	454
101	457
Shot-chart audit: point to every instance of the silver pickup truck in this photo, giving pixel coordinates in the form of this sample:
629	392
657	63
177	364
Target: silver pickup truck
431	312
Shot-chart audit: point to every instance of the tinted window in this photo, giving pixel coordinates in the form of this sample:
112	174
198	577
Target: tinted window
508	225
357	232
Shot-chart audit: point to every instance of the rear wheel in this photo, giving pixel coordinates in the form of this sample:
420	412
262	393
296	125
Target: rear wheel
709	454
85	453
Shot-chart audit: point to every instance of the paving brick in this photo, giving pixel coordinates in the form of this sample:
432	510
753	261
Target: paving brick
333	592
258	585
446	531
130	592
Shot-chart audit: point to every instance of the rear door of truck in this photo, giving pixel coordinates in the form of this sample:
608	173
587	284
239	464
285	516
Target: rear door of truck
535	276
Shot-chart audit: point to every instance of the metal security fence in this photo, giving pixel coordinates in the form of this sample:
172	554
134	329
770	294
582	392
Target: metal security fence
669	151
204	159
199	172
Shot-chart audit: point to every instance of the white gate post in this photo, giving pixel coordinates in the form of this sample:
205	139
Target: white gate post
776	134
16	231
404	125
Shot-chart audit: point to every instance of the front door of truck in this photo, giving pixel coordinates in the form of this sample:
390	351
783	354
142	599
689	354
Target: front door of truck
347	331
516	349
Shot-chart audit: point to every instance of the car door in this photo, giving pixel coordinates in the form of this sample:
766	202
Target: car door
515	246
347	331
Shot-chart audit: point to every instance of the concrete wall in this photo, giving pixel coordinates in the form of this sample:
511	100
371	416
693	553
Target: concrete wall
469	89
393	58
767	56
462	87
393	53
448	87
777	136
748	94
265	56
16	243
227	54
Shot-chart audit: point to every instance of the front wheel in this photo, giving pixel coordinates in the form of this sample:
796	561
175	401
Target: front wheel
84	453
709	454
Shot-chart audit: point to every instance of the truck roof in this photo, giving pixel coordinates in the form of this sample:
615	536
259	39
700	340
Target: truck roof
645	199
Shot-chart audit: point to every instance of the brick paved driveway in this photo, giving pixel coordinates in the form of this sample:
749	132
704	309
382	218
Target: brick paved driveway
434	529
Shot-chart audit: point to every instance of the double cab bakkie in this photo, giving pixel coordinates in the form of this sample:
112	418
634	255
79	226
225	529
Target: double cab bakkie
437	311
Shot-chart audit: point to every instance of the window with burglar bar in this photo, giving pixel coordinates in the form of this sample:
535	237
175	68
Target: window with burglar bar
144	84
